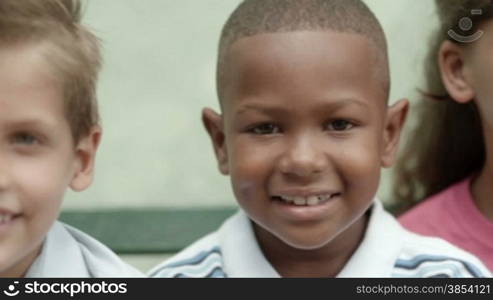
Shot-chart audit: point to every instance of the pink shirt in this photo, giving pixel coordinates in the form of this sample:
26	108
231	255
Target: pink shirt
453	216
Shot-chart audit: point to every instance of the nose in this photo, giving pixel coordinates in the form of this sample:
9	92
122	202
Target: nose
304	156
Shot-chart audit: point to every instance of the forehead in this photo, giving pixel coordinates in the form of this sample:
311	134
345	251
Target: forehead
27	86
303	64
24	64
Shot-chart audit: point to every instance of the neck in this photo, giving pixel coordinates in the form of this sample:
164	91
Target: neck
326	261
482	186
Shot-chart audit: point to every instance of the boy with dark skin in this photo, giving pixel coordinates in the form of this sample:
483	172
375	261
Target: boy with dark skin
304	114
304	131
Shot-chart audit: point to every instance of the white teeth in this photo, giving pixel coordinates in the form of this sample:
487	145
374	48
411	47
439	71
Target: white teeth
288	199
303	201
312	200
299	201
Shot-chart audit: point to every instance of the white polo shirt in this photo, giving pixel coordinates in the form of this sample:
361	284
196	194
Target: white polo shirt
387	250
68	252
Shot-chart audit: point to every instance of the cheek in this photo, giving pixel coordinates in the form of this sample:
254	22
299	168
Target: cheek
482	79
42	185
485	106
359	166
37	186
250	168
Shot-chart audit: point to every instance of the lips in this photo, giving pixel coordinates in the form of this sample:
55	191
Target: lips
7	216
308	200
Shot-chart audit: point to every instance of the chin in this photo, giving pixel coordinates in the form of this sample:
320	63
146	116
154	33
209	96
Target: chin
5	265
303	243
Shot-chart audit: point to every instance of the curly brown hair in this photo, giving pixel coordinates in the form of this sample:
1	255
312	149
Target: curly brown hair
445	143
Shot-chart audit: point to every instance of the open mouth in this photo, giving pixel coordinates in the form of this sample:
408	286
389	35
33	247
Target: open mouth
305	201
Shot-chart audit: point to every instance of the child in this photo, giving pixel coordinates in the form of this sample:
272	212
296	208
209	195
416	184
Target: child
49	134
304	131
450	157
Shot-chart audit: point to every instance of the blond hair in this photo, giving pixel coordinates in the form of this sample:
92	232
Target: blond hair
72	51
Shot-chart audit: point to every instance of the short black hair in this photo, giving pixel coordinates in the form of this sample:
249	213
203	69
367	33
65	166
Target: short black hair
253	17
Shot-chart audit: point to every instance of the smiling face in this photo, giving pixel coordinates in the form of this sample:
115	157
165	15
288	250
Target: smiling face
38	159
304	133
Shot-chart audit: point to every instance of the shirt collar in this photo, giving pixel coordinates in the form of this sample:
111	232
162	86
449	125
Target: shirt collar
375	256
379	249
60	256
241	252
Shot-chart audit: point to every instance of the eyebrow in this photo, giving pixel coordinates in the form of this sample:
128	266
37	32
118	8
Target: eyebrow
27	123
269	108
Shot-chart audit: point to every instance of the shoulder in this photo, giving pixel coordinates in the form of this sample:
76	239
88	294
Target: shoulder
433	257
426	217
429	206
100	260
201	259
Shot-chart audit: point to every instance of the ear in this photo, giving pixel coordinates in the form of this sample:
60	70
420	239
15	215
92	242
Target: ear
213	123
85	152
453	72
396	117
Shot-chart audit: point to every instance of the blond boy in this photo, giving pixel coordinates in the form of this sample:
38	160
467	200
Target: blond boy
49	134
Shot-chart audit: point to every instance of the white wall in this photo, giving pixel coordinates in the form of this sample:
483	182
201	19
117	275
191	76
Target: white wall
159	72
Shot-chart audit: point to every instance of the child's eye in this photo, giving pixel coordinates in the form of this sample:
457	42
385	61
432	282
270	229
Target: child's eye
340	125
24	138
267	128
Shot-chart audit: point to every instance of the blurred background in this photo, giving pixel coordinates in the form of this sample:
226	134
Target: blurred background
159	72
